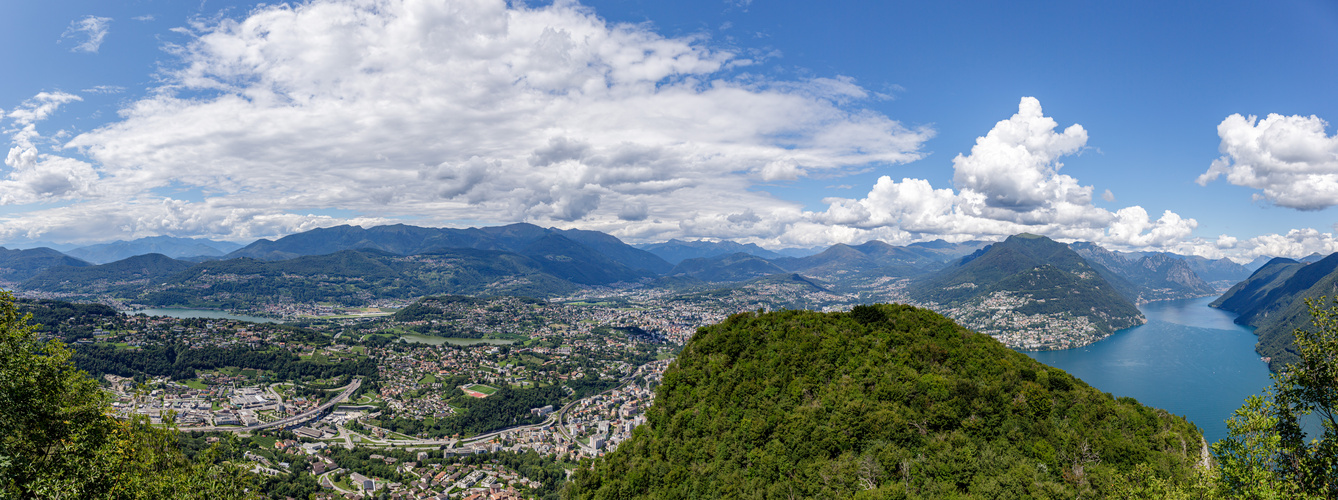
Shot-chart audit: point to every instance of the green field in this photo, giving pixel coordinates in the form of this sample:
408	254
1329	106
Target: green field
428	379
264	442
195	383
489	390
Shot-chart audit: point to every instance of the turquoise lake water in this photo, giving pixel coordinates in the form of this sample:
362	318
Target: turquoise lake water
1189	359
202	313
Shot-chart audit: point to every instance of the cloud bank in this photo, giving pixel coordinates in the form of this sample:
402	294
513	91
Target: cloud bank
472	112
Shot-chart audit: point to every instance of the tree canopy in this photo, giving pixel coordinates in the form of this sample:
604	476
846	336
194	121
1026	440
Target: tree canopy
1267	454
886	401
58	440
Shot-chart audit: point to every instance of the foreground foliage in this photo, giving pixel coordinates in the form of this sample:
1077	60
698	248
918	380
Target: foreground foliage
57	440
887	401
1267	454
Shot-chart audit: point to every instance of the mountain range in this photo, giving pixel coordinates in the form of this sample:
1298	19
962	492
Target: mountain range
675	251
176	248
353	265
594	248
1155	276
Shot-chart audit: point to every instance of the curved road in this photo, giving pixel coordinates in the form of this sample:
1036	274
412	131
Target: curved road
348	390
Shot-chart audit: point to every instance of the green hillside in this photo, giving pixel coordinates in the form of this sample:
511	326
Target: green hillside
126	274
19	265
349	277
1273	300
1044	276
886	401
871	259
726	268
456	315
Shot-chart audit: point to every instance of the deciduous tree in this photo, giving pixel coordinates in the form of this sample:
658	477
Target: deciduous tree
58	440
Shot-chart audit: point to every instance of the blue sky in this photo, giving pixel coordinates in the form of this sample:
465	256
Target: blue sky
780	123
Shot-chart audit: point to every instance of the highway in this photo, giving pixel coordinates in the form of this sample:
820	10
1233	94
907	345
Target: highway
296	419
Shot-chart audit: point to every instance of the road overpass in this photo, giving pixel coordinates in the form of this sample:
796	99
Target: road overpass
290	421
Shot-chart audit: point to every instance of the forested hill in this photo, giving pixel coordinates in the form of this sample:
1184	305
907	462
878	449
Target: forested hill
1273	300
886	401
1033	275
349	277
607	256
129	274
19	265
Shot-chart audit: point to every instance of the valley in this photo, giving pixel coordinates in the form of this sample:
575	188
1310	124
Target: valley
543	347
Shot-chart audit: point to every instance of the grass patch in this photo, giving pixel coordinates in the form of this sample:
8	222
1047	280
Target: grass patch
664	355
264	442
195	383
489	390
344	484
428	379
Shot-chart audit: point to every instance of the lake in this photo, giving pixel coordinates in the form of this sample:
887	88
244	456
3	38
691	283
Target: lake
427	339
1189	359
202	313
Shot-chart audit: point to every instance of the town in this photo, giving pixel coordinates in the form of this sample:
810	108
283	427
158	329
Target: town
444	381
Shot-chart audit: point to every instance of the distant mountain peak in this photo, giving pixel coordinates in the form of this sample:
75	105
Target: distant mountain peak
170	246
1014	287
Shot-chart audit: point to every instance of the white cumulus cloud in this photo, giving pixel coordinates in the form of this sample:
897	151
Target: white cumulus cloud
33	176
1296	243
1009	183
1289	159
1016	166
